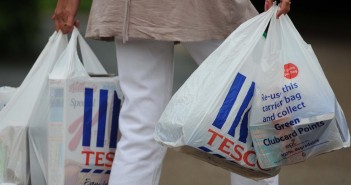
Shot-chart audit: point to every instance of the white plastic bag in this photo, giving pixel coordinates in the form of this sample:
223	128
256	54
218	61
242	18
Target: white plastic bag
5	95
21	111
83	118
210	111
295	114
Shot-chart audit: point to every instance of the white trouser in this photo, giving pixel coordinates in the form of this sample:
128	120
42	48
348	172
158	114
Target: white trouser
145	70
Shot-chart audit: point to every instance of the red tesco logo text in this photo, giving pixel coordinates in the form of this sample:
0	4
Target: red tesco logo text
101	158
235	151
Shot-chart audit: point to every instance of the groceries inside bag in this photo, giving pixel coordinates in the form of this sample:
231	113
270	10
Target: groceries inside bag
208	117
295	114
256	103
84	113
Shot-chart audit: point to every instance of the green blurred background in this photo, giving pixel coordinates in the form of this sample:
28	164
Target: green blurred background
20	20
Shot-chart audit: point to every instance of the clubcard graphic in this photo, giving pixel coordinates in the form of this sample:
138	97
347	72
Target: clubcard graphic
292	122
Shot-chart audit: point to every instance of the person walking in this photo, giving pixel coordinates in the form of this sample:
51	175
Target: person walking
145	33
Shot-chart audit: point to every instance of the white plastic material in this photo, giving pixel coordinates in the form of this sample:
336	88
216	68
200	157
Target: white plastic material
210	110
248	94
67	69
5	95
21	111
295	114
83	123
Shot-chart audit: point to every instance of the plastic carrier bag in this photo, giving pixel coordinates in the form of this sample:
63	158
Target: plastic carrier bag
295	114
84	110
255	104
5	95
208	117
23	109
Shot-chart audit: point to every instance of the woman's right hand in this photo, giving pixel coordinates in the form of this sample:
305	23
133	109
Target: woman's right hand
284	6
64	15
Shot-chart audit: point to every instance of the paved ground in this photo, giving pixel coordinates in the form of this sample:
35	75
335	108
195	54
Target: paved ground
332	44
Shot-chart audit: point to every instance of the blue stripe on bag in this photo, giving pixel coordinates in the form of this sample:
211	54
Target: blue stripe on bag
205	149
229	101
115	116
98	171
220	156
102	118
85	170
242	108
88	114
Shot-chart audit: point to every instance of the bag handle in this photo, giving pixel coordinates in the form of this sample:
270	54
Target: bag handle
90	61
288	30
26	93
70	66
249	33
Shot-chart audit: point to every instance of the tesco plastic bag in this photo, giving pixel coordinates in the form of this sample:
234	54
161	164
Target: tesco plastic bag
256	102
83	126
22	110
208	116
295	114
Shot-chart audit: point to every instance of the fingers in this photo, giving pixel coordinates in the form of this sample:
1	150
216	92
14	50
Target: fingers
64	23
67	26
284	8
57	25
64	19
76	23
268	4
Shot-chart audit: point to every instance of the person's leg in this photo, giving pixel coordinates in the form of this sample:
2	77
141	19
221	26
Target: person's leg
200	51
145	71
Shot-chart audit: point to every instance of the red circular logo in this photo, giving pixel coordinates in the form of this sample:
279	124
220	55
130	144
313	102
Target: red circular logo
290	71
